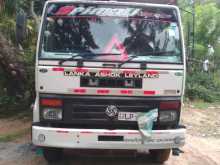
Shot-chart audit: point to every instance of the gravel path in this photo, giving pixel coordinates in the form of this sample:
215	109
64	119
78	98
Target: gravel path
202	146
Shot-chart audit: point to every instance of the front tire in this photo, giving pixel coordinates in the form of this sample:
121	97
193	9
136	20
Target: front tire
160	156
52	154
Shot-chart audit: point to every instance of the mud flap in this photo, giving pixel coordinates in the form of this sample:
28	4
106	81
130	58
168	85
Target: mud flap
145	123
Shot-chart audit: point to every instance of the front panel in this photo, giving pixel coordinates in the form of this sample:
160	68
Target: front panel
114	82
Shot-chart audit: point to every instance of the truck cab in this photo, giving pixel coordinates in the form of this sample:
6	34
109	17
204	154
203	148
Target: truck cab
102	67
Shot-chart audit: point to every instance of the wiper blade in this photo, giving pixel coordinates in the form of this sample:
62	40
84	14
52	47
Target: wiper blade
102	54
86	55
129	59
109	53
71	58
160	52
147	54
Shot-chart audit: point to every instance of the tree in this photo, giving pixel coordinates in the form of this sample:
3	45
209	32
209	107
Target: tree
15	63
12	66
207	23
200	85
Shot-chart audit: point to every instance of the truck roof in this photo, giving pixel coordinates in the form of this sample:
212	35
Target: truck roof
159	3
170	2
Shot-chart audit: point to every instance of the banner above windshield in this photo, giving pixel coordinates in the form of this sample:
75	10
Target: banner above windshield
102	11
112	33
116	11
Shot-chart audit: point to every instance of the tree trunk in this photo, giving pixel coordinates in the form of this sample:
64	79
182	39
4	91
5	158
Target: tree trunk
1	5
13	67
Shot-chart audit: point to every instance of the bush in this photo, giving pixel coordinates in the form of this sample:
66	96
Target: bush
203	86
26	55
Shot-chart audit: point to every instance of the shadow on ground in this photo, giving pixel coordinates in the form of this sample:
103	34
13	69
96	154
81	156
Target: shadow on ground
100	157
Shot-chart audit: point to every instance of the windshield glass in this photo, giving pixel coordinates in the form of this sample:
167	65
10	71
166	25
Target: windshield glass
111	33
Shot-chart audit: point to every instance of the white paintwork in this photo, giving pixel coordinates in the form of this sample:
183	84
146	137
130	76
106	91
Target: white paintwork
141	4
55	82
100	64
36	114
88	138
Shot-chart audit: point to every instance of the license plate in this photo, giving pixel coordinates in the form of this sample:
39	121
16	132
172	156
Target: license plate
127	116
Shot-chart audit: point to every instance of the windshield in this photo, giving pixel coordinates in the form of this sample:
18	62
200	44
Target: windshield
111	33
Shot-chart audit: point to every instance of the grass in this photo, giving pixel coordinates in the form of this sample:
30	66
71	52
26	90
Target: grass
199	104
14	135
17	113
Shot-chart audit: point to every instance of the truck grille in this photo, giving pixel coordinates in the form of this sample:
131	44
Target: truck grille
91	112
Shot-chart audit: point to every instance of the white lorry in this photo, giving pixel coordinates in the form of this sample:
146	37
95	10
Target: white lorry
102	67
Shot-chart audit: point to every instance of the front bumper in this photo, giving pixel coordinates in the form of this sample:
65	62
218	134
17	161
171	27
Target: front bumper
106	139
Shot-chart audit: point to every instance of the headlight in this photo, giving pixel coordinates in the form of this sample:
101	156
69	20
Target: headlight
52	113
167	116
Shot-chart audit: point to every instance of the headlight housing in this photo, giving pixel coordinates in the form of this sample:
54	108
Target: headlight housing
52	114
167	116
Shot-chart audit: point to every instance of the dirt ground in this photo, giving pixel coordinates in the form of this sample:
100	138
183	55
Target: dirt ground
202	144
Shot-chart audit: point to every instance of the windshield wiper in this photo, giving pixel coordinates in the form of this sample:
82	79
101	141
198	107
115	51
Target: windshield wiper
129	59
86	55
148	53
91	55
71	58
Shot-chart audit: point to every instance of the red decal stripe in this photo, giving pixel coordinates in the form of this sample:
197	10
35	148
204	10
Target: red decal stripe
110	133
82	70
129	72
133	133
152	72
126	91
58	69
79	90
65	10
149	92
86	132
103	91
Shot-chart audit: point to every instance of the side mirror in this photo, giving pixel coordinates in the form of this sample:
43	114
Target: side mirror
21	26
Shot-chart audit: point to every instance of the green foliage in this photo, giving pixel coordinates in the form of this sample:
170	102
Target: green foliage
24	4
7	27
11	102
203	86
4	100
207	23
9	8
201	51
7	20
14	135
